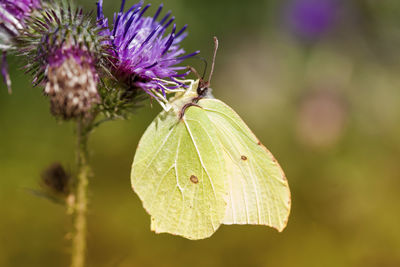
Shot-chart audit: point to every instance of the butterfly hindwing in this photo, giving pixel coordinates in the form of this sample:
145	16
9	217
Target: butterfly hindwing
258	190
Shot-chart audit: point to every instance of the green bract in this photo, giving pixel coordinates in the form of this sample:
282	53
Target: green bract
206	168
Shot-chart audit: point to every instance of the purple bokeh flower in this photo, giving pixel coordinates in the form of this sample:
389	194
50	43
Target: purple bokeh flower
312	18
142	52
12	16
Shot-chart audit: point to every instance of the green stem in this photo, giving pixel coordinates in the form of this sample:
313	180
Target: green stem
79	205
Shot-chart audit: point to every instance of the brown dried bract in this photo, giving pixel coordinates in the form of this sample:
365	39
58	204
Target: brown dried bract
56	179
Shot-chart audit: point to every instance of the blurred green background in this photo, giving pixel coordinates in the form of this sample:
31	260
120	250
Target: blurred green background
318	81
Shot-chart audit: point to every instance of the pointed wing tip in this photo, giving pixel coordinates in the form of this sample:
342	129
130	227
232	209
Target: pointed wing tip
281	227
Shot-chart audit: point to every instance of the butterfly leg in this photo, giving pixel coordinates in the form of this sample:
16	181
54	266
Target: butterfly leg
182	113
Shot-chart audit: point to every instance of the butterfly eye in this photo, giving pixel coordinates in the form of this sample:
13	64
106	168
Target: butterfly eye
200	88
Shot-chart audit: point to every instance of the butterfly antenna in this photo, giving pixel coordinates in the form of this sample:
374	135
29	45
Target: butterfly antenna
213	62
205	66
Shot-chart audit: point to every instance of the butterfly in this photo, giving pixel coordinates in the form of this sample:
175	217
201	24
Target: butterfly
198	165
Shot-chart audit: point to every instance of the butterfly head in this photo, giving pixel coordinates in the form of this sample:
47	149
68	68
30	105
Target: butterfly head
204	85
203	88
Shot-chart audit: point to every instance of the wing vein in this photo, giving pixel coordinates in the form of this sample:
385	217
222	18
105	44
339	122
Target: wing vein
154	155
201	162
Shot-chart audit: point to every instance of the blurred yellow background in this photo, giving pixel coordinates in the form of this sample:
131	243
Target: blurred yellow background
318	81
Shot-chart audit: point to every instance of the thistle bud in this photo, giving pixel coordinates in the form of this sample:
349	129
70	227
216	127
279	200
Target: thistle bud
64	56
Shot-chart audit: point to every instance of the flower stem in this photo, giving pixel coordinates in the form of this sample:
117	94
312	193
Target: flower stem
80	202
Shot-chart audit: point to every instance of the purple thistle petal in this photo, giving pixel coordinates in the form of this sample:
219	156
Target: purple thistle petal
189	55
12	19
100	14
130	40
131	18
169	42
116	24
166	17
181	75
151	66
168	23
4	72
149	37
131	9
144	10
122	6
181	31
158	12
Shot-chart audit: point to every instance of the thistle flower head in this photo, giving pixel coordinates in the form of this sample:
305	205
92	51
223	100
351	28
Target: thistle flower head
63	49
12	19
143	52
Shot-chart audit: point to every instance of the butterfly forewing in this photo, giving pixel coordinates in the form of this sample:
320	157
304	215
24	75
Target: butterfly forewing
178	172
257	187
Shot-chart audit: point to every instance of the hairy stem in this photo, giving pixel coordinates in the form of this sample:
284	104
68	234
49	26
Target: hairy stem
80	202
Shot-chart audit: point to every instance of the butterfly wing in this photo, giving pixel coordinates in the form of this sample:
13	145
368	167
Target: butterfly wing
258	190
178	172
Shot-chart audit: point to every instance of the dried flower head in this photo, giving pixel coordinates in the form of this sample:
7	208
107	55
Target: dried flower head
56	180
64	53
12	19
142	51
71	83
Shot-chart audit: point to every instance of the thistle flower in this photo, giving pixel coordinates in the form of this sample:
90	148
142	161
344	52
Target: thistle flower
63	49
142	53
12	20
